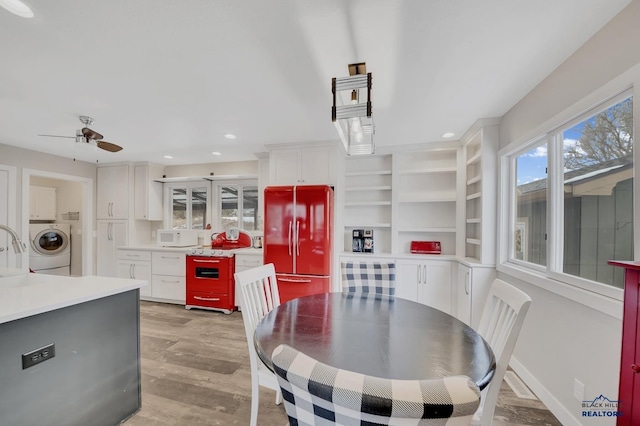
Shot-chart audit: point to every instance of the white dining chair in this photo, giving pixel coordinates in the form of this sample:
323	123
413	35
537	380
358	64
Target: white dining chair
500	324
259	295
319	394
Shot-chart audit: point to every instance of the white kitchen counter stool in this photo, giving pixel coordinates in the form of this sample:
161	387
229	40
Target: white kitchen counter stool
259	289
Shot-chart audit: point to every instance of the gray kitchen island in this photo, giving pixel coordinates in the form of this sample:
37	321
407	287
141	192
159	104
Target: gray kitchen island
69	349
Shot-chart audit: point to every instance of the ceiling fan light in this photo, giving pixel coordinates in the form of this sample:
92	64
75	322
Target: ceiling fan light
17	8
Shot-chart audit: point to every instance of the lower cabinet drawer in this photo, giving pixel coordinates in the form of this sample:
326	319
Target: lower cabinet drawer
168	287
210	300
294	286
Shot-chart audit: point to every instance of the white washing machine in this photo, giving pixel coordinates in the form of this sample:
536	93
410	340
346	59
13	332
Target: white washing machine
50	248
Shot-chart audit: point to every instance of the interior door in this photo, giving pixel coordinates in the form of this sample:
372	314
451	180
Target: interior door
279	228
313	225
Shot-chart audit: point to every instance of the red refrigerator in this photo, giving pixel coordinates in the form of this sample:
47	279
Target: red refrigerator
298	227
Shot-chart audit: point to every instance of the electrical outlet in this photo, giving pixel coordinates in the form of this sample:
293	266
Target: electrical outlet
578	390
37	356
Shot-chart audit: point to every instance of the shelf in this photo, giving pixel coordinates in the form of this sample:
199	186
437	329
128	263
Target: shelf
474	196
473	220
429	171
475	158
474	179
369	173
369	188
367	203
429	230
368	225
473	241
421	198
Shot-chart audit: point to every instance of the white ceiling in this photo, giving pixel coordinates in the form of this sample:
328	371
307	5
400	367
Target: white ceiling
171	77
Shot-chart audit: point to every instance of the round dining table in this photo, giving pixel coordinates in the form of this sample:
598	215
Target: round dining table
376	335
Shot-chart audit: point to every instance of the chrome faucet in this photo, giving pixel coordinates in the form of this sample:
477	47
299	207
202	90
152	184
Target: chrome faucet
18	246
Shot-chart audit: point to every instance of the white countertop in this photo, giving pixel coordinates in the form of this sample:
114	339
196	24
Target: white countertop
153	247
26	294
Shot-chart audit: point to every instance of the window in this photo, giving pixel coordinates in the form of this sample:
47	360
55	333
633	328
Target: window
239	206
529	243
572	193
188	205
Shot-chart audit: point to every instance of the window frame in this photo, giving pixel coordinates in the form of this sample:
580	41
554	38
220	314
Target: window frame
552	274
189	186
217	200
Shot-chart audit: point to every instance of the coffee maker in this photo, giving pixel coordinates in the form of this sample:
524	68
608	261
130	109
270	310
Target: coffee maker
362	241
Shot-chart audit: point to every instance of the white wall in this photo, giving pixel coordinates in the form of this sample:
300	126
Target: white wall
561	339
231	168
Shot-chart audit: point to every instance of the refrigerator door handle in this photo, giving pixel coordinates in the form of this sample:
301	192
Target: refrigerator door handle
293	280
297	238
289	237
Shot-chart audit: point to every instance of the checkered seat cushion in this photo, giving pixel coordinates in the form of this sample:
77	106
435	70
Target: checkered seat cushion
317	394
369	277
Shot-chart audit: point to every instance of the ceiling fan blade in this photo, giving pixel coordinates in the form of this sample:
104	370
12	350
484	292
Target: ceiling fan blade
108	146
87	132
58	136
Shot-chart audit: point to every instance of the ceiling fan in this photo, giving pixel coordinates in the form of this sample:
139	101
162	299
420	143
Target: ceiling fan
86	135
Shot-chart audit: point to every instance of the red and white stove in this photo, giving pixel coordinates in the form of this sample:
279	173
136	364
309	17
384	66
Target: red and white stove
210	281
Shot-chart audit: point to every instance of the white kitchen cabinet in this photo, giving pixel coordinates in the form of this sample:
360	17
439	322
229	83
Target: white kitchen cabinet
43	202
148	192
168	276
425	281
314	165
463	296
135	265
110	235
113	192
246	260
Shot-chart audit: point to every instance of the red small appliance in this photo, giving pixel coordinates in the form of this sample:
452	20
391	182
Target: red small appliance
426	247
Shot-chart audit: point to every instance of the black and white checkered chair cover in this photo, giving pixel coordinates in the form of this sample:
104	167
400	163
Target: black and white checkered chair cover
369	277
317	394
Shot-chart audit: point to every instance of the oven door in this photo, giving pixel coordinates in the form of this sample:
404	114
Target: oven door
209	274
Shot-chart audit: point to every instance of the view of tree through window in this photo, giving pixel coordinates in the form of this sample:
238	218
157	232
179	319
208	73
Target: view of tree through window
597	196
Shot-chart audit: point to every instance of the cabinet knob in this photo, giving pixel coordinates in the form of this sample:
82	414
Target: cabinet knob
635	368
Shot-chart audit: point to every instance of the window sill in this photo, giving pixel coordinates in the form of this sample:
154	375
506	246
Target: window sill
606	305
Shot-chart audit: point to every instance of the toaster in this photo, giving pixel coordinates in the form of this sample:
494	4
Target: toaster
426	247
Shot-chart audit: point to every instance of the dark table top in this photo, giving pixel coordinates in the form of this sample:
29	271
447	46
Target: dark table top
379	336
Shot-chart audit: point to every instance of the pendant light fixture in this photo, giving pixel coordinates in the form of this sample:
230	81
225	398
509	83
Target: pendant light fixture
352	117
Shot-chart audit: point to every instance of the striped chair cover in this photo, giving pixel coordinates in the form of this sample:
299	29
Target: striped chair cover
317	394
369	277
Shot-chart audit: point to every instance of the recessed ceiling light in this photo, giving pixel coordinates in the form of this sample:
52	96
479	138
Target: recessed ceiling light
216	153
448	135
17	8
168	157
229	136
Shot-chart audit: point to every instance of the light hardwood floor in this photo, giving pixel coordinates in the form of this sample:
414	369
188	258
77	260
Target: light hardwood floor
195	371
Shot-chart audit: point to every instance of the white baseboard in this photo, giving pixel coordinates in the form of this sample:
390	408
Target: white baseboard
565	416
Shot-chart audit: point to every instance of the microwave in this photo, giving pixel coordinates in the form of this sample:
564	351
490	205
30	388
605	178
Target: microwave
177	237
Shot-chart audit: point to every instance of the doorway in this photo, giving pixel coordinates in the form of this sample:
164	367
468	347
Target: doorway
75	195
